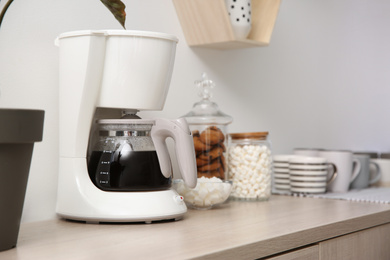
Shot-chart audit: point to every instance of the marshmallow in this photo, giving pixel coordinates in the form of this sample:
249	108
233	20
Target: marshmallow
208	192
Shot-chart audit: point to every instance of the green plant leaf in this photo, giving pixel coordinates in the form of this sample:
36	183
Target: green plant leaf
5	8
117	8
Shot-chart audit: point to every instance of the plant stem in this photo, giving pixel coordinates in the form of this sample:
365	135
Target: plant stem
5	10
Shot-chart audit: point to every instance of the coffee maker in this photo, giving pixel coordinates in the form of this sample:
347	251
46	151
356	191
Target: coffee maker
105	78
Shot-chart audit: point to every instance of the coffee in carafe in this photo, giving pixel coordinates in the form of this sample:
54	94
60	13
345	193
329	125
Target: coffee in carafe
125	159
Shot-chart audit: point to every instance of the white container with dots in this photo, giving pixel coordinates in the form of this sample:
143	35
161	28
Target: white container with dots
240	12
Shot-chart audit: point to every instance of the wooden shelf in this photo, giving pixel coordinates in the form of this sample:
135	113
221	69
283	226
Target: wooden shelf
206	23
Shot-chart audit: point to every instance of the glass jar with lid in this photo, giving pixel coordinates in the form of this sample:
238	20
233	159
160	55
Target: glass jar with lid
250	165
209	129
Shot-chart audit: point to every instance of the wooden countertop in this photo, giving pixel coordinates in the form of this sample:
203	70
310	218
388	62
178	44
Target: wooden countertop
237	230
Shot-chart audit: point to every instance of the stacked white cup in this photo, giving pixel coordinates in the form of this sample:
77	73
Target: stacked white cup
348	167
281	173
281	176
309	175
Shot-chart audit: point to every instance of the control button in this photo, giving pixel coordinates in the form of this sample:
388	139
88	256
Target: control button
179	199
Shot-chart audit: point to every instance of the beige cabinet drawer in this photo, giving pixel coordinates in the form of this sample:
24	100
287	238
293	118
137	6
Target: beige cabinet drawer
307	253
373	243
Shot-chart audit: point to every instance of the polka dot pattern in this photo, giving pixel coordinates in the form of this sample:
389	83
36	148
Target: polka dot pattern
240	12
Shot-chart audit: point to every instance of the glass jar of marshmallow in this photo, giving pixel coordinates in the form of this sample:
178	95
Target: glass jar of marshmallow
250	166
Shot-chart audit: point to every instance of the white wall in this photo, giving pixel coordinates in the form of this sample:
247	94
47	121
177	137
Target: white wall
324	81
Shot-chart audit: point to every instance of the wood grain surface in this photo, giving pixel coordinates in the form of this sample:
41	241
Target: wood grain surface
236	230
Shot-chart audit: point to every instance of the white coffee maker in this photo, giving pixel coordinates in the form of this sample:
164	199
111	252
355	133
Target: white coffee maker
104	75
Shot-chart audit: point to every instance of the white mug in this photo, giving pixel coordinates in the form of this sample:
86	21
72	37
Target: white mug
384	166
311	152
348	168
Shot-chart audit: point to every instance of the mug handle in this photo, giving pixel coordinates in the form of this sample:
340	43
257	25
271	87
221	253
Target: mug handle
356	169
334	174
378	173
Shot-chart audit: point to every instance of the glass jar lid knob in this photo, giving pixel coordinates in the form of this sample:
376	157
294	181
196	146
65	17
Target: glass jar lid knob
205	111
205	86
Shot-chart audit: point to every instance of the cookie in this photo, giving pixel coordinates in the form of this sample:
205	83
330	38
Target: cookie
199	145
213	154
212	136
212	166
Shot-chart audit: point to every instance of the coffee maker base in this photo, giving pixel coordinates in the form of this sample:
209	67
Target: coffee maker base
146	207
79	199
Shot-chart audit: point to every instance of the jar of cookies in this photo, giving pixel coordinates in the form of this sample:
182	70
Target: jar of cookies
209	129
250	165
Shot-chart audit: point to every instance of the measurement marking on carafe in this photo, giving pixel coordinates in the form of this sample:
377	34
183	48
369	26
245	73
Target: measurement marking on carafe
105	162
104	173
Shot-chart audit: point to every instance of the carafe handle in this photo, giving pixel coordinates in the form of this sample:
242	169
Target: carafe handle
184	145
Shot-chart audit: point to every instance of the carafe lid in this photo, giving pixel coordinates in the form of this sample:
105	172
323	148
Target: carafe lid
125	127
205	111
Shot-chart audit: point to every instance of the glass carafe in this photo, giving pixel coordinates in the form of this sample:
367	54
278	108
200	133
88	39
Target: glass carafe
131	154
124	157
